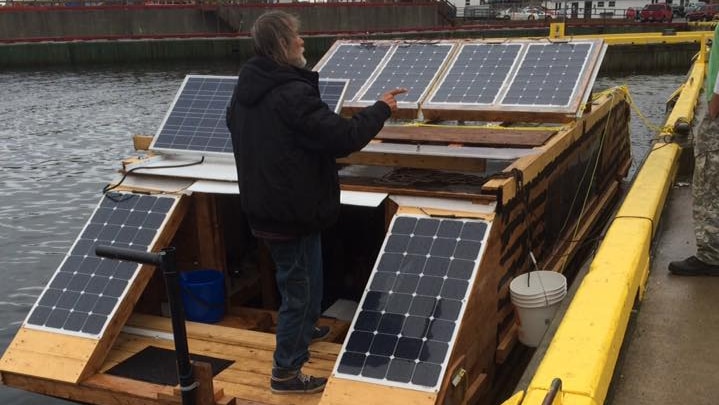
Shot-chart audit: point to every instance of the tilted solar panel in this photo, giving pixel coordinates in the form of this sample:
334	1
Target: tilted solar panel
332	92
196	121
409	315
412	66
85	290
516	80
477	74
548	75
353	61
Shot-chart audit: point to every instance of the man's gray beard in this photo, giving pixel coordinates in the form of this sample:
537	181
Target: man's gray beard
300	63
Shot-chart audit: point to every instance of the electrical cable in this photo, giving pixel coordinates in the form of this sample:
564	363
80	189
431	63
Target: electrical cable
110	187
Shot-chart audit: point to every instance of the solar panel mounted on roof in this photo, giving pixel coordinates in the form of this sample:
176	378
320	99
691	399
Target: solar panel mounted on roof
353	61
332	92
548	75
409	315
85	290
477	74
413	66
517	79
196	119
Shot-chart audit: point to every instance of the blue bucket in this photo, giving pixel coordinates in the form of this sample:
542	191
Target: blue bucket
203	295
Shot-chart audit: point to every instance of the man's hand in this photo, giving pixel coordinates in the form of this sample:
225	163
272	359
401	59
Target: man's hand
389	98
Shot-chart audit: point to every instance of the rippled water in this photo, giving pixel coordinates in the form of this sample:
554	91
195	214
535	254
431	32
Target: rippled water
63	133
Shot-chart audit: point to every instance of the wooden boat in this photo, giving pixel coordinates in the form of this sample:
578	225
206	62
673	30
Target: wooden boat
536	181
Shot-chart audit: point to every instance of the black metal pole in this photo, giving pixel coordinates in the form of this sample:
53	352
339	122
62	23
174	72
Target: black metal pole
188	385
165	260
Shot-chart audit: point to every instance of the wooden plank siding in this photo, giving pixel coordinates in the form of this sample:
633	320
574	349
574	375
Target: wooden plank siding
532	165
467	135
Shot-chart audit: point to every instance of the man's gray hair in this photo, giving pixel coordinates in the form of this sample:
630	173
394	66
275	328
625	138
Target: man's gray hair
272	33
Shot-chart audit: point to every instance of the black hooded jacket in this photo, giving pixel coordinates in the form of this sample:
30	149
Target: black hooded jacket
285	141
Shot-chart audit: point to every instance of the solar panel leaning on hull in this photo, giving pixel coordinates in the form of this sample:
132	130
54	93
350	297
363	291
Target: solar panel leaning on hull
85	291
196	120
409	316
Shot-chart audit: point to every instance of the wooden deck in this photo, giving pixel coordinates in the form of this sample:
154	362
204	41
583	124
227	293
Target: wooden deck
247	379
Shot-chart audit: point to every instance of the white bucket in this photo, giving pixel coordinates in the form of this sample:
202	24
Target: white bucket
536	301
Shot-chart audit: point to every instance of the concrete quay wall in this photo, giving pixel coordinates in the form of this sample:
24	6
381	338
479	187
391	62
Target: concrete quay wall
87	22
71	23
620	58
343	17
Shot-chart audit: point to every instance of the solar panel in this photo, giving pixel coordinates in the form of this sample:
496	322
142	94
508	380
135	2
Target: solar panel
548	75
332	92
85	290
477	74
353	61
545	81
410	312
196	118
413	66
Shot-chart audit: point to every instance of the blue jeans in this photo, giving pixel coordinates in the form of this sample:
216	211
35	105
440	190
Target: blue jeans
298	265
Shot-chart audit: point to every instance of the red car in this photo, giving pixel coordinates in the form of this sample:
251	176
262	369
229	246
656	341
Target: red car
656	12
703	13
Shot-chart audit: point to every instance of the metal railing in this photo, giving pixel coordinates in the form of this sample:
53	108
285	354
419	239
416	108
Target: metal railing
447	10
493	12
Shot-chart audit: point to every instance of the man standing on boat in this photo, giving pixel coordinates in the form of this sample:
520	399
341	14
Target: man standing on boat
285	142
705	182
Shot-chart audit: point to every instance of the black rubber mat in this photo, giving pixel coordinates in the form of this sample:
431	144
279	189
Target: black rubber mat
157	365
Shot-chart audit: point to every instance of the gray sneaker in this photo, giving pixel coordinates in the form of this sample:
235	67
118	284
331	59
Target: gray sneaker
298	383
692	266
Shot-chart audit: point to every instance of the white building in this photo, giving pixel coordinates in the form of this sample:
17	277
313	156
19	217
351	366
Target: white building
576	9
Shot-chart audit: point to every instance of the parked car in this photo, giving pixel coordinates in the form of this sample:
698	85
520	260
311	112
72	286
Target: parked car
481	12
656	12
527	13
692	7
547	12
678	10
704	13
